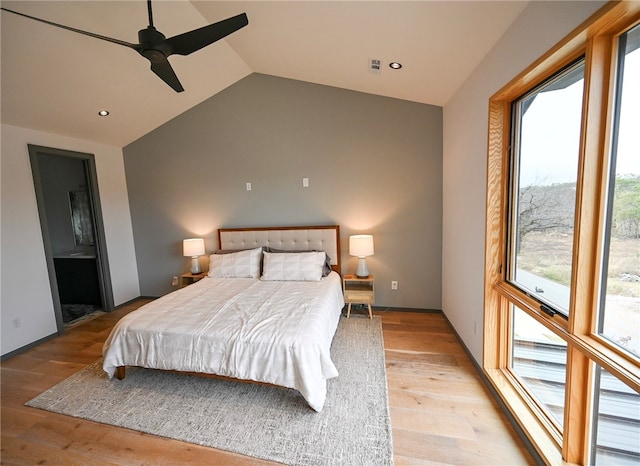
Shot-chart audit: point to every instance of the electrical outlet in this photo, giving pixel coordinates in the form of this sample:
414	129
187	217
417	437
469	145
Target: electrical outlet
15	323
394	285
305	182
174	280
248	186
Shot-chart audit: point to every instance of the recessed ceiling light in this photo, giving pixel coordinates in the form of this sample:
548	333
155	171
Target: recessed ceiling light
103	112
395	65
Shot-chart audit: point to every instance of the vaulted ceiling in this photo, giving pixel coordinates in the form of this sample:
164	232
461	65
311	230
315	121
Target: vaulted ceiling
56	81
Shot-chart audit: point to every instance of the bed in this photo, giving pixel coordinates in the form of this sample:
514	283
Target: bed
274	327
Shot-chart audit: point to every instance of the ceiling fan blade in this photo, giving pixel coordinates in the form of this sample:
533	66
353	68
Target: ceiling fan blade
156	48
79	31
163	69
192	41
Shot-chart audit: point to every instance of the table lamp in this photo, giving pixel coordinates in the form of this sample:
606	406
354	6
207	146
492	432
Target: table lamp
193	247
361	246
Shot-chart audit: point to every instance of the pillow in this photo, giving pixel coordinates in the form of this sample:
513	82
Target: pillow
241	264
293	266
326	267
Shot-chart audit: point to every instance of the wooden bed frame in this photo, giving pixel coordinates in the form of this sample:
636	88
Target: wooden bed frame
293	238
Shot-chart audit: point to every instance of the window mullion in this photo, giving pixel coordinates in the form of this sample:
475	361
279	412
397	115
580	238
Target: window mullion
586	255
578	403
589	211
495	310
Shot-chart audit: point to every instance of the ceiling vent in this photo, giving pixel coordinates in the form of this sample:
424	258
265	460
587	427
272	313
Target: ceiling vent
375	66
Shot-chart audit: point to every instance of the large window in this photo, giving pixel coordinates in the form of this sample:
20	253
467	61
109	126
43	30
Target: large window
539	359
544	174
562	278
616	422
619	319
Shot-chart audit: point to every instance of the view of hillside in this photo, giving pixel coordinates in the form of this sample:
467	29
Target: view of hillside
545	230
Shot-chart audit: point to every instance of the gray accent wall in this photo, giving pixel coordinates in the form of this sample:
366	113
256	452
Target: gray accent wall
374	166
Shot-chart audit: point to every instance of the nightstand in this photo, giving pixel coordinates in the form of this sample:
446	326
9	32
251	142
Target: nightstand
187	279
358	290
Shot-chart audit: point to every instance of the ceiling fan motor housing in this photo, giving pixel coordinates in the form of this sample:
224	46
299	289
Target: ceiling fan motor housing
153	45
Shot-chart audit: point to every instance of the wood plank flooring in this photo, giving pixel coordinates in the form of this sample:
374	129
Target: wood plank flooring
440	411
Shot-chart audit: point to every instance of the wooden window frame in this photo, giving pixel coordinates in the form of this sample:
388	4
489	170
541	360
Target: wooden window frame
596	40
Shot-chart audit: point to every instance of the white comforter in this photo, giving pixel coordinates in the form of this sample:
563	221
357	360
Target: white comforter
278	332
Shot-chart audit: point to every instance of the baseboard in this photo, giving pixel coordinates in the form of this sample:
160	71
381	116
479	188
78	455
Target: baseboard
503	407
33	344
22	349
406	309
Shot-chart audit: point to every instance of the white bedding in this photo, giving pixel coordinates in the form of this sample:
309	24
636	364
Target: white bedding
278	332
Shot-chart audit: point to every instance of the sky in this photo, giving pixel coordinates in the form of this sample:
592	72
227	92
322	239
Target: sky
551	131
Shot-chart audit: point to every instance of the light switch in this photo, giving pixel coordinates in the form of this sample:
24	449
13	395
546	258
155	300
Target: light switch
248	186
305	182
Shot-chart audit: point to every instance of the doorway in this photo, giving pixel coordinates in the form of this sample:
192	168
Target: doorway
72	230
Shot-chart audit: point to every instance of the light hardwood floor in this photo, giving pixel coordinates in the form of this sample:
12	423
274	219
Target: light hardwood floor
440	411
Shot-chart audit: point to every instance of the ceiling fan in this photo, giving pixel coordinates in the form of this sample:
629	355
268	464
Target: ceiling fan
156	48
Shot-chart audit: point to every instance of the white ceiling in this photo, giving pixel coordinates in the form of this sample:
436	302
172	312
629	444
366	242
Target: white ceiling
55	81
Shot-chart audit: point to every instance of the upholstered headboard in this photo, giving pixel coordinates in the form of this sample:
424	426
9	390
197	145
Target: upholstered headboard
322	238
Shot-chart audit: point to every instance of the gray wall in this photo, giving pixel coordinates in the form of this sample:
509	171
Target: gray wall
374	166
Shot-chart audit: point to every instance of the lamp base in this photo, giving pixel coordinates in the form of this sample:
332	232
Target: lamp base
362	271
195	266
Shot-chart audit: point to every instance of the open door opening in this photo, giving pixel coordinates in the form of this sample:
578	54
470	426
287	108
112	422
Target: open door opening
70	218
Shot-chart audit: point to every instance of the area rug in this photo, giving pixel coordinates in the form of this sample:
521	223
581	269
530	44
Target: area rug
261	421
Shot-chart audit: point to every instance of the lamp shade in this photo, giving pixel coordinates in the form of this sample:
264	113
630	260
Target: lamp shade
361	245
193	247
